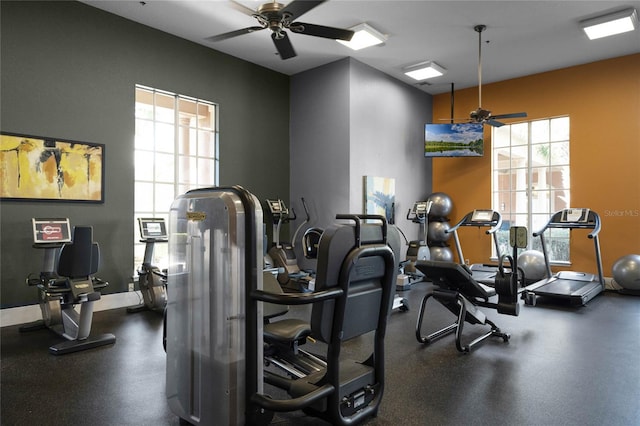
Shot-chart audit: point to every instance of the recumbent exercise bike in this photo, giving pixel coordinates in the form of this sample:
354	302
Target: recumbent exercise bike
151	280
66	283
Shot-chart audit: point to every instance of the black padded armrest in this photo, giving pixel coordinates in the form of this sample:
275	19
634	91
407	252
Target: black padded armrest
296	298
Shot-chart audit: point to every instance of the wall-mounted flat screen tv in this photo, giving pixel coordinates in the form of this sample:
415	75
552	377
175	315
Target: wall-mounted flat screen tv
453	140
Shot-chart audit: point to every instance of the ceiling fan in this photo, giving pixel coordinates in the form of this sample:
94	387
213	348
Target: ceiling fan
278	18
481	115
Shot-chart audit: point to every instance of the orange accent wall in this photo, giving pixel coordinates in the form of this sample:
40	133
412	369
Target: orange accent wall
602	100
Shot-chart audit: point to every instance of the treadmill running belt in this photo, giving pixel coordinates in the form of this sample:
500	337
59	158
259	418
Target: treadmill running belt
485	277
562	287
485	274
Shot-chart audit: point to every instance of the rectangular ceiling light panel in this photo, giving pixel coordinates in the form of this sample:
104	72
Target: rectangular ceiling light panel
610	24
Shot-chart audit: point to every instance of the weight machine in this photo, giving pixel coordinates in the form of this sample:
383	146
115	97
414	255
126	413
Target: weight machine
215	320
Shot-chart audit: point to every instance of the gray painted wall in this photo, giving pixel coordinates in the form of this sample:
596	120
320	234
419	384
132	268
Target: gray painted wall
69	70
387	139
320	142
348	121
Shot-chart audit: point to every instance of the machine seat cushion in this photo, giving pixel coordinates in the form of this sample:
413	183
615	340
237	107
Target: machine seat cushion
286	330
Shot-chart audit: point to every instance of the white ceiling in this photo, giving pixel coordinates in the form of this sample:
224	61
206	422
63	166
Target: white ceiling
522	37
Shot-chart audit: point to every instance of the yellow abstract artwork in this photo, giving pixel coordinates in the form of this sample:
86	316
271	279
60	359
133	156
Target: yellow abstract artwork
38	168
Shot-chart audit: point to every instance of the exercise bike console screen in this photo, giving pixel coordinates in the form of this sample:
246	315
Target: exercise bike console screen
47	231
153	229
422	208
276	206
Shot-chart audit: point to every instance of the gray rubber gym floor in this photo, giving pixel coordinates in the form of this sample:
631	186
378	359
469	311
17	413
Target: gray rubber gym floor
563	366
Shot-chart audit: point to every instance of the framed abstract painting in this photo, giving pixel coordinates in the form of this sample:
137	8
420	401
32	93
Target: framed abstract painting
39	168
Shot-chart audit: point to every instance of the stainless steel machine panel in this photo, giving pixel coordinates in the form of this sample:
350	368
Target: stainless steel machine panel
206	321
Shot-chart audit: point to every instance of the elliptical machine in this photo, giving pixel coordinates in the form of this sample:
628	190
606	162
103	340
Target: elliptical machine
152	281
282	253
418	249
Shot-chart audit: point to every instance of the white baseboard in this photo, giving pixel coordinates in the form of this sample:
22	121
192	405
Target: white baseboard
30	313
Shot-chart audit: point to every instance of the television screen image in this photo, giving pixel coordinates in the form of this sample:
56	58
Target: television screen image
453	140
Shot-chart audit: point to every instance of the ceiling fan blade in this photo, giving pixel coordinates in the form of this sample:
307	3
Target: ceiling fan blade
242	8
284	46
299	7
512	115
494	123
321	31
235	33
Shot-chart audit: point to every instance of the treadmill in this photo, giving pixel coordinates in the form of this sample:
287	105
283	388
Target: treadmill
576	287
481	272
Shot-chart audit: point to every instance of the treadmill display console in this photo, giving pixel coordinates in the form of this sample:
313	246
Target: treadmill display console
482	216
575	215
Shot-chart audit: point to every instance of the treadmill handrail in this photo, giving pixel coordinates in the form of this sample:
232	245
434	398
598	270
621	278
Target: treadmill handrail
555	222
494	225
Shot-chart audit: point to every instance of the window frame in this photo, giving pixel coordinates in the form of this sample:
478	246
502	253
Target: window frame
173	133
550	181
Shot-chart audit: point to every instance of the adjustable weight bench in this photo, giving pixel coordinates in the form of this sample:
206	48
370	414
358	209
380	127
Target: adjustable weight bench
457	290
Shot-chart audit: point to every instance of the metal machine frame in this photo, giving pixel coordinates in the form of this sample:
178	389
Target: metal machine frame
481	272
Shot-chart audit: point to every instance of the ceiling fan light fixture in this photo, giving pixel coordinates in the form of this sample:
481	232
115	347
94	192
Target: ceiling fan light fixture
610	24
364	36
424	70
